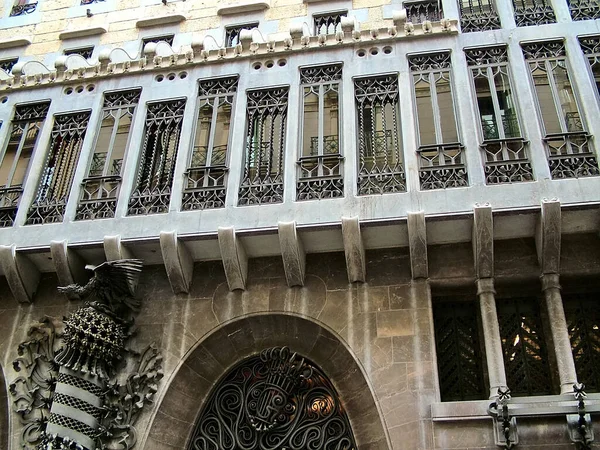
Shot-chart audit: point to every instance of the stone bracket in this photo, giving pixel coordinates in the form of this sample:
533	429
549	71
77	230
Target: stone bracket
505	424
178	262
483	241
114	250
580	429
417	244
22	275
354	249
70	267
293	254
235	261
547	237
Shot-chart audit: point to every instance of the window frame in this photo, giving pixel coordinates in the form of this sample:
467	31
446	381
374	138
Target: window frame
339	13
230	42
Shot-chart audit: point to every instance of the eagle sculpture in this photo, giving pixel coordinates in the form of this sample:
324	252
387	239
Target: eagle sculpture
113	284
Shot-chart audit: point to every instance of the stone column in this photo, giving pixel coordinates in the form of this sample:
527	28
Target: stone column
560	333
491	334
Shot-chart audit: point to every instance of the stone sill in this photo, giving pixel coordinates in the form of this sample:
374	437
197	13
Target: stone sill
15	42
543	405
161	20
240	8
81	33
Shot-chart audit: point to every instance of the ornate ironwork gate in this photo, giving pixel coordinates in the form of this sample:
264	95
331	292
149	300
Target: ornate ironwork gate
275	400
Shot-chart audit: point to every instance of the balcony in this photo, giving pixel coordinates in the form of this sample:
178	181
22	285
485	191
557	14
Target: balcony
506	161
441	166
570	155
9	202
205	184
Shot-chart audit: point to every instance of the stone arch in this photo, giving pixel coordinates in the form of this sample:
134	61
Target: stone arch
191	384
4	411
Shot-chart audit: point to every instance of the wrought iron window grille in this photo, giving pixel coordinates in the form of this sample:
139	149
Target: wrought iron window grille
478	15
84	52
232	33
440	153
568	145
320	164
89	2
328	23
8	64
168	38
380	159
25	129
275	400
100	189
419	11
152	190
262	179
53	191
206	175
23	7
533	12
590	45
505	152
584	9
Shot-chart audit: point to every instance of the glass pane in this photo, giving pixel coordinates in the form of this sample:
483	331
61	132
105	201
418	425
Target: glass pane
310	137
486	108
424	112
9	157
508	112
567	99
596	73
330	121
545	100
221	136
118	150
202	136
447	119
277	143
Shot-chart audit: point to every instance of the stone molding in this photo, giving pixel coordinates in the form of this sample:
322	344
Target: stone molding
243	7
178	262
293	254
83	32
354	249
21	273
160	21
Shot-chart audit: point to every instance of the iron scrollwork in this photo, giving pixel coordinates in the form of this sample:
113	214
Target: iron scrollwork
276	400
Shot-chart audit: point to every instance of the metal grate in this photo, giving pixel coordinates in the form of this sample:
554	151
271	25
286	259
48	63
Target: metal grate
533	12
232	34
524	347
8	64
458	350
584	9
328	23
478	15
152	190
420	11
168	38
583	322
23	7
84	52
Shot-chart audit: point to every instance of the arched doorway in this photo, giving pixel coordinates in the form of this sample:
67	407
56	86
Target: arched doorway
218	353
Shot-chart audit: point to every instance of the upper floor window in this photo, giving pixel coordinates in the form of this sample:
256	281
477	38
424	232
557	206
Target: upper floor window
419	11
504	149
478	15
584	9
22	7
320	163
380	162
152	189
84	52
100	188
89	2
591	48
168	38
262	180
568	144
8	64
533	12
440	152
232	33
328	23
206	176
25	129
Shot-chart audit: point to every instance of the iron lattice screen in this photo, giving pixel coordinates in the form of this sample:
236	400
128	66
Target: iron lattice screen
458	347
583	321
524	347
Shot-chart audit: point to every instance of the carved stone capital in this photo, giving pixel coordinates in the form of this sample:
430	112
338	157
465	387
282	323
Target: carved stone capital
485	285
550	281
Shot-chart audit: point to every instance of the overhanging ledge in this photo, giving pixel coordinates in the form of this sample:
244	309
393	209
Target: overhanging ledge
243	7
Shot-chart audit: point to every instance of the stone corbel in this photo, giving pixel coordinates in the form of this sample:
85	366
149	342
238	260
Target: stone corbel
293	254
354	249
22	275
178	262
235	261
483	241
399	18
70	267
547	237
114	250
417	244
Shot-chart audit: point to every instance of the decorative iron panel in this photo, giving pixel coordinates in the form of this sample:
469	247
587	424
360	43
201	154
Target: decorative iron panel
20	9
533	12
492	55
273	401
262	180
442	166
590	45
8	64
570	155
84	52
458	349
328	23
100	189
26	125
89	2
168	38
423	10
380	161
524	347
152	190
57	177
584	9
217	86
321	74
506	161
541	50
478	15
232	34
583	322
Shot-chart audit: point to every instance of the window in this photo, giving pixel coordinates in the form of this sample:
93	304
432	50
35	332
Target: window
89	2
84	52
440	152
504	150
8	64
567	143
328	23
53	191
533	12
420	11
584	9
168	38
22	7
100	189
591	48
380	163
320	163
26	125
232	34
206	175
266	113
478	15
152	189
